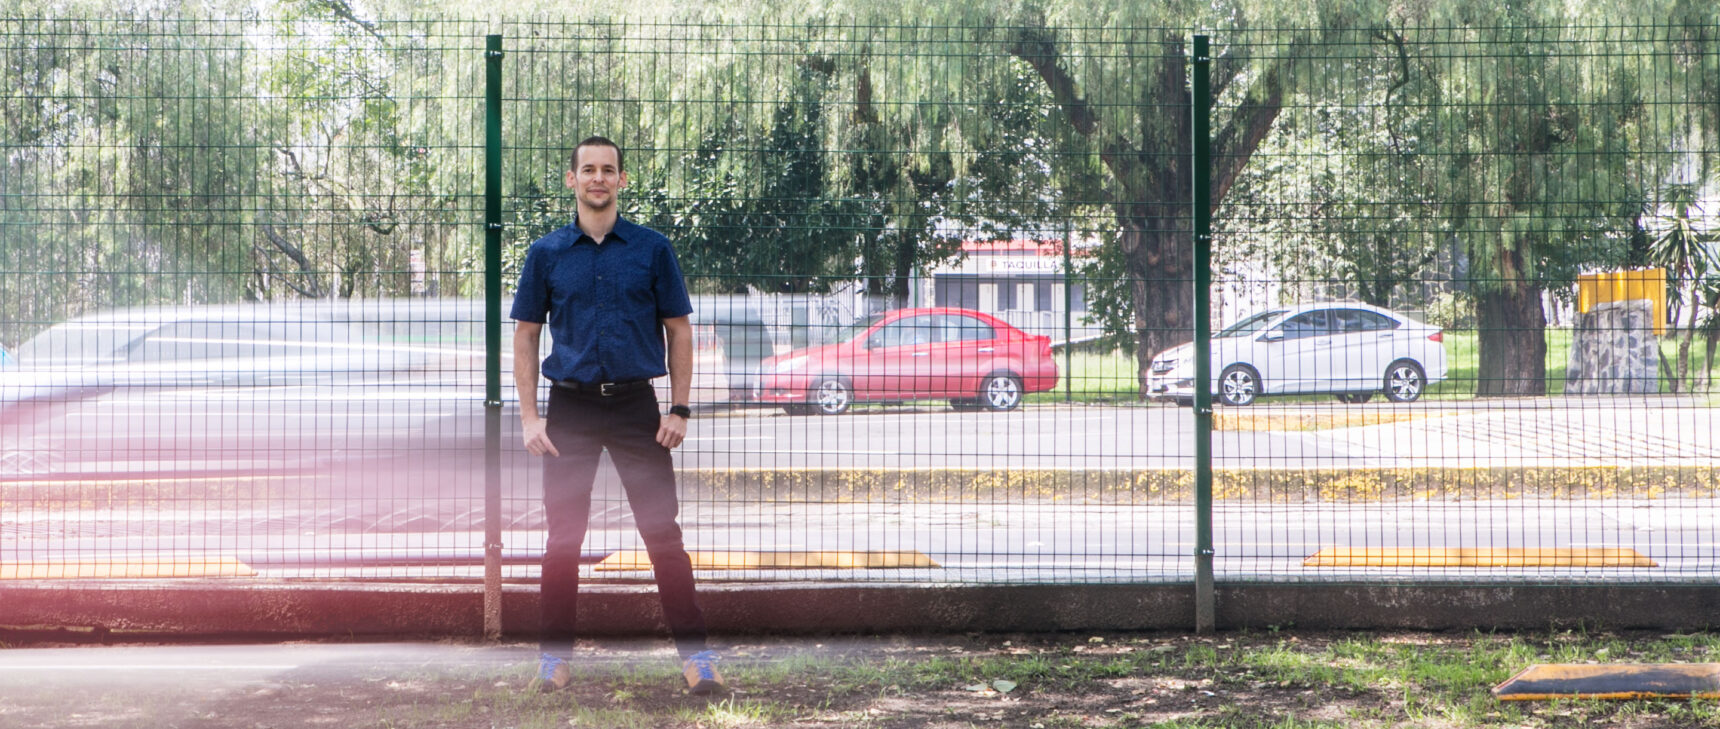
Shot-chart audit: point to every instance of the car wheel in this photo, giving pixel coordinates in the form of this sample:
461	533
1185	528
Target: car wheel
1239	385
1355	398
1404	381
797	409
1000	393
832	396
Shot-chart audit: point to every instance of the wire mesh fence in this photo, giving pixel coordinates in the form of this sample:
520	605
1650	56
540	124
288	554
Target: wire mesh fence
943	292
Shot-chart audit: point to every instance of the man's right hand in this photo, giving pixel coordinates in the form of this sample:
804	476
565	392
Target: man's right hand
537	438
526	335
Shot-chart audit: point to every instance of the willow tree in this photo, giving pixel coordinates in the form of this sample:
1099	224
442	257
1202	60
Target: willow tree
124	154
758	146
1116	77
1343	199
1541	120
368	147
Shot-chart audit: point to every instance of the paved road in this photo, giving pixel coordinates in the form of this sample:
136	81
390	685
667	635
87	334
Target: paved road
387	482
1472	434
361	428
987	541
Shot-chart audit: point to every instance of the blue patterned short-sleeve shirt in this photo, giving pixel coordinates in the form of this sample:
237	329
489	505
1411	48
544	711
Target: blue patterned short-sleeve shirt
603	302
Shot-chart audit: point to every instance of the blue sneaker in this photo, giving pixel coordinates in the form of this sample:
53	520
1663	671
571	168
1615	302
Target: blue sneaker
554	674
700	670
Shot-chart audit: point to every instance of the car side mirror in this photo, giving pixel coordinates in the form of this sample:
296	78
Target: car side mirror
1274	335
874	342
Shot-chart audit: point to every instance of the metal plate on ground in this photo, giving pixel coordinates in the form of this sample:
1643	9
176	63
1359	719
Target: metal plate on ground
1547	681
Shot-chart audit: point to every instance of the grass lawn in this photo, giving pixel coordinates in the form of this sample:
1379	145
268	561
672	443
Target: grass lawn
1274	679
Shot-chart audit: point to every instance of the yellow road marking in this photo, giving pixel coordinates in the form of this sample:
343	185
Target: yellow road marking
133	481
639	560
122	569
1476	557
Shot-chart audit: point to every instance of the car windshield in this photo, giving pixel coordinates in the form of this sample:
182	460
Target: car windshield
1251	324
857	328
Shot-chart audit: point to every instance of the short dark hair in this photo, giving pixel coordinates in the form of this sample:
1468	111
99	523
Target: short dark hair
597	141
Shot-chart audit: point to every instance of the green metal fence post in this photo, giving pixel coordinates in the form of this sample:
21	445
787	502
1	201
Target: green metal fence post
493	337
1205	612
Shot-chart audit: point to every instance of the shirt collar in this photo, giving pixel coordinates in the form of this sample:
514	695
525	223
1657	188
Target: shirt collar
622	231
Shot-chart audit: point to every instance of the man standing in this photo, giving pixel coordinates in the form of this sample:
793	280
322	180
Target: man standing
610	291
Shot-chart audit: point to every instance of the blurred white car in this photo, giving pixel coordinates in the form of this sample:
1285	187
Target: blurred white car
1352	350
244	388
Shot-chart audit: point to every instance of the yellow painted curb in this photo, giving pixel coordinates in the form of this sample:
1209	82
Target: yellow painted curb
639	560
213	567
1476	557
1544	682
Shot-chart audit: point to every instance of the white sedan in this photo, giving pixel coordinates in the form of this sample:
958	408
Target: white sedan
1352	350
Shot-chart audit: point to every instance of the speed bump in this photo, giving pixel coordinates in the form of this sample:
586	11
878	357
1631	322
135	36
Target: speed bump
126	569
640	560
1547	681
1477	557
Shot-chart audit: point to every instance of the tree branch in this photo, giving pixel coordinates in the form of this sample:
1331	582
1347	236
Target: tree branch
342	10
298	256
1397	41
1234	146
1032	46
1039	51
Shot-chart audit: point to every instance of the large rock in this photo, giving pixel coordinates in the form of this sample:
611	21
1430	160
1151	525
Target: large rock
1614	351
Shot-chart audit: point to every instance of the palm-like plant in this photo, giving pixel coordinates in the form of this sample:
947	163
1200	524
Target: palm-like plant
1688	247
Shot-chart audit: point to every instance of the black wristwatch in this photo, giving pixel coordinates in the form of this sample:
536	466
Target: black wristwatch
685	412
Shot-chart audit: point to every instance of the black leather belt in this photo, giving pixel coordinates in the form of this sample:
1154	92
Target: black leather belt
604	389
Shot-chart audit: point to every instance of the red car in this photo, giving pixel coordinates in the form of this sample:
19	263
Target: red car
973	359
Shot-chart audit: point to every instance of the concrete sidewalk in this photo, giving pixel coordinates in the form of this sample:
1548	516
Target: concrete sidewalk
225	685
285	685
443	684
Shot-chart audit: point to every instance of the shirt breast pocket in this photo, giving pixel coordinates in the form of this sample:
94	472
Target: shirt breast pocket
632	280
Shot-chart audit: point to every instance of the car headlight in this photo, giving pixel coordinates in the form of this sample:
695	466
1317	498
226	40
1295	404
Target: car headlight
789	365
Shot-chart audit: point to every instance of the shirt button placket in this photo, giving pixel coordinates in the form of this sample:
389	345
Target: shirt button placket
603	313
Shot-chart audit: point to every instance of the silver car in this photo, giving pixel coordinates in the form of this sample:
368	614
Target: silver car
1351	350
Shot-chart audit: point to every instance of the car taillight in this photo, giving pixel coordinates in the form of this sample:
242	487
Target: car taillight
1436	337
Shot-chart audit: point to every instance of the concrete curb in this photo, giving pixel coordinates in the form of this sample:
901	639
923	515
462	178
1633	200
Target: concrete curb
211	609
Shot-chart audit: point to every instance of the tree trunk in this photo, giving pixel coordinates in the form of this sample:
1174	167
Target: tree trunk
1683	380
1161	266
1513	342
1711	340
902	268
1150	165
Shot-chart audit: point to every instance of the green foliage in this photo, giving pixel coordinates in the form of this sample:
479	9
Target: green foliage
1687	247
1392	153
1452	310
200	160
1342	201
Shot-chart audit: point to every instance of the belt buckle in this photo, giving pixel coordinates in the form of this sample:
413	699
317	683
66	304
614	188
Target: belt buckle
606	389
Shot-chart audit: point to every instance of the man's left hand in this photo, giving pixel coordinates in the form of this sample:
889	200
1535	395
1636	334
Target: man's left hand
671	430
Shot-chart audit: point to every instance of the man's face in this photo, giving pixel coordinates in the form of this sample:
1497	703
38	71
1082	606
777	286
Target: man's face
596	176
